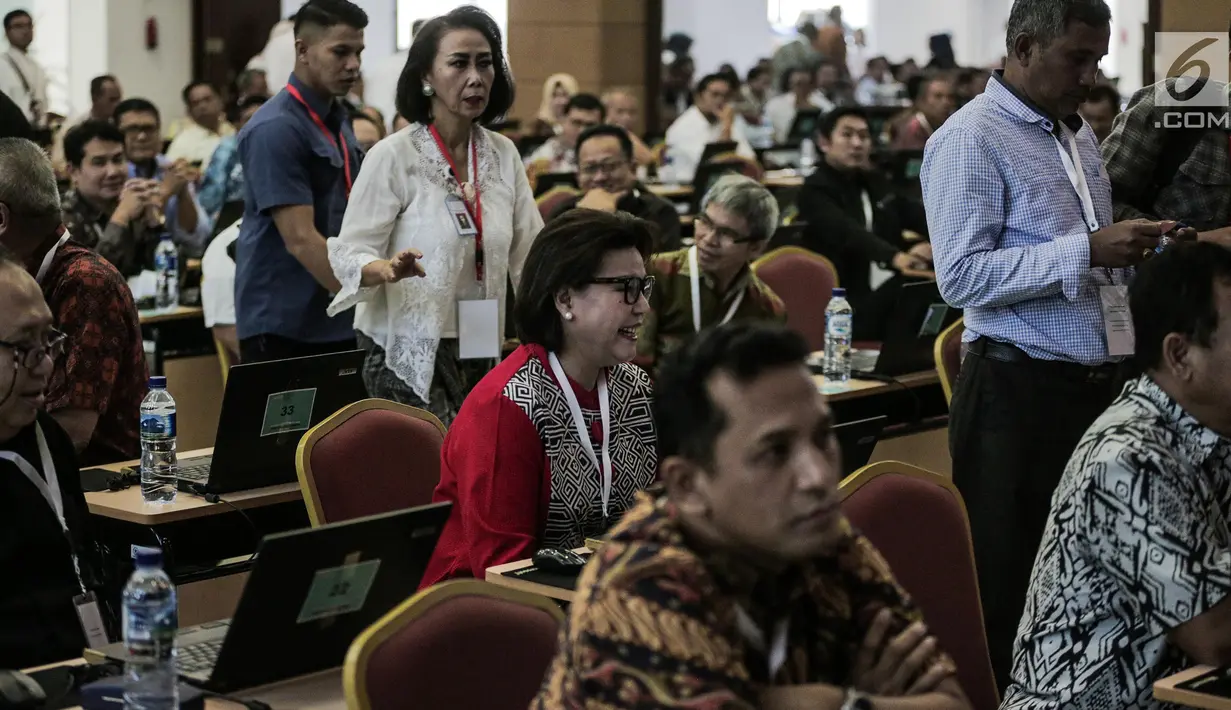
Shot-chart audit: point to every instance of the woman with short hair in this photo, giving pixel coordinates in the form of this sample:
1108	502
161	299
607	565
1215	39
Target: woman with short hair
553	444
439	220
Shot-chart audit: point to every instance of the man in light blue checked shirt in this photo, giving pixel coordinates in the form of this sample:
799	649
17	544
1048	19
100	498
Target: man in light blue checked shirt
1020	213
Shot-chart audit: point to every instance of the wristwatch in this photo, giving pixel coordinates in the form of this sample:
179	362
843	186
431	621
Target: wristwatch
856	700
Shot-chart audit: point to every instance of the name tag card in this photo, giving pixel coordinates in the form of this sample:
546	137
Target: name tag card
462	221
1117	321
478	329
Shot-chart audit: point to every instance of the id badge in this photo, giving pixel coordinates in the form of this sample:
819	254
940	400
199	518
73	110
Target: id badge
1117	321
91	620
461	216
478	329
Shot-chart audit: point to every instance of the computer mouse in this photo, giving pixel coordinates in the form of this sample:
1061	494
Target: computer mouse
18	690
550	559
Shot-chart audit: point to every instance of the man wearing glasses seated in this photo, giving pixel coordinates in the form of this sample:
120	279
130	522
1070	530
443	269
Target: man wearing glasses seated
40	491
607	177
97	386
711	283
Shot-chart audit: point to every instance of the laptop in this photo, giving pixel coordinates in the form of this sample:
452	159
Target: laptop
310	594
803	126
266	409
717	148
547	181
858	441
918	316
707	174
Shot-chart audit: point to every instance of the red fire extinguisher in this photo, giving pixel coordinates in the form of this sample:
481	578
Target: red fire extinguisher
151	33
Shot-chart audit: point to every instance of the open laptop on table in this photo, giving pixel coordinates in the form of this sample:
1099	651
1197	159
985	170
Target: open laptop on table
310	594
918	316
803	126
266	409
858	441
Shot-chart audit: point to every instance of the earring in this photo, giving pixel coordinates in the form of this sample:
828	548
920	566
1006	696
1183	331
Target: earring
568	315
428	90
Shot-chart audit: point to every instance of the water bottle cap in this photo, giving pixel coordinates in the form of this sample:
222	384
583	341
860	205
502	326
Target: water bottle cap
148	557
166	237
839	293
158	382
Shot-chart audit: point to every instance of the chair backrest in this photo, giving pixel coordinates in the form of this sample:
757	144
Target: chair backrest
917	520
458	644
948	355
370	457
804	280
550	201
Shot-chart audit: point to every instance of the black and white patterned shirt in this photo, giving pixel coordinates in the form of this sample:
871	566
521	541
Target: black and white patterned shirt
1136	544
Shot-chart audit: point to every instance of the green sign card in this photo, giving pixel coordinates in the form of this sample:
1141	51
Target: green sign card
338	590
287	412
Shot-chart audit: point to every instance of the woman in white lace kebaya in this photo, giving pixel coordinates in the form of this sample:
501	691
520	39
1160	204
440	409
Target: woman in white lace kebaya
439	220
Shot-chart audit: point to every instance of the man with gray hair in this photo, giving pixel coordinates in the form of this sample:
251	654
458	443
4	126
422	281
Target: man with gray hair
1020	216
711	283
99	381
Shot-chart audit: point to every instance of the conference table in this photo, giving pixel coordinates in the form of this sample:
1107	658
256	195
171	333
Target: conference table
1176	688
208	546
318	691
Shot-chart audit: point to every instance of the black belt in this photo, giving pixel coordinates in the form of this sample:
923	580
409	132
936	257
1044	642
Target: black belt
1003	352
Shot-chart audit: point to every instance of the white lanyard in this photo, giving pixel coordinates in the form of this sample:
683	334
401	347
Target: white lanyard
923	121
867	210
50	488
1072	166
579	422
42	269
755	636
694	275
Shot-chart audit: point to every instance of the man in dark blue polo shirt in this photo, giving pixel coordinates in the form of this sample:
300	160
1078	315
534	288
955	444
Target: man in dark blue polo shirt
300	159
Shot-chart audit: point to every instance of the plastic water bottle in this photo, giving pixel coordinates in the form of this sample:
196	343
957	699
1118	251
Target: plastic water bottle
839	323
167	272
150	621
158	464
807	156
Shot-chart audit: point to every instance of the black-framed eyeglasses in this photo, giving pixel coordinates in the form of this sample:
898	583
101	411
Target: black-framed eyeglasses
31	356
607	166
725	235
634	286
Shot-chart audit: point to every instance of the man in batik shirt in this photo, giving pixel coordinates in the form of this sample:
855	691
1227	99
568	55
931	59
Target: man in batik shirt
1131	580
738	583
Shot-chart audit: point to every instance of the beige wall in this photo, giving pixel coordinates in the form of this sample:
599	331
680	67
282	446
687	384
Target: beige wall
600	42
1194	15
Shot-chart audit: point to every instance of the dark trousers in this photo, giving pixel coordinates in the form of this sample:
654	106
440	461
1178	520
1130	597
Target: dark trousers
263	348
1012	428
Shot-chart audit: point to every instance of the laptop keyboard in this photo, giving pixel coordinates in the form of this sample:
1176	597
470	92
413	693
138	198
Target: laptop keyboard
199	657
195	469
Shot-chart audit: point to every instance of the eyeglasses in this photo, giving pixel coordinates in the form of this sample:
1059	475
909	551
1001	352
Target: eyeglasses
725	235
607	166
634	286
31	356
139	128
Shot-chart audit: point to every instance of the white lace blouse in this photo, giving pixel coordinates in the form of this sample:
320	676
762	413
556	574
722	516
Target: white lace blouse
398	203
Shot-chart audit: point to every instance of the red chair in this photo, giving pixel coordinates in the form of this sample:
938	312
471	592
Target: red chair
917	520
550	201
948	355
804	280
391	449
458	644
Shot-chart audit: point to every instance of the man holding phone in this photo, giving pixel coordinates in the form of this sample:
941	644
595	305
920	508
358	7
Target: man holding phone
117	216
1020	215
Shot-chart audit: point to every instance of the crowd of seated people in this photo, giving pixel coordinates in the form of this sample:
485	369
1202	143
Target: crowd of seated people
652	394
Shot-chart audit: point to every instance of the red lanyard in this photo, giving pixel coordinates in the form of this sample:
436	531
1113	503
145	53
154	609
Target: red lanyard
338	141
476	210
